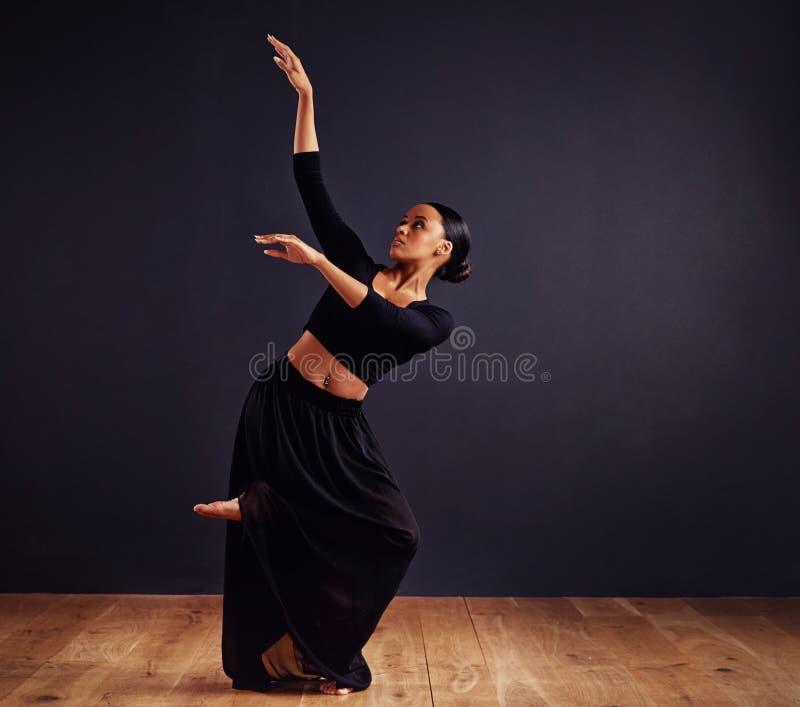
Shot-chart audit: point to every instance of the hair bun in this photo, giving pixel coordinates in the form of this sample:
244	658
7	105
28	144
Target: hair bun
457	267
458	273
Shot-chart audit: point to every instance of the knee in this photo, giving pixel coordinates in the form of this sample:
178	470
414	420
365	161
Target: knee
409	537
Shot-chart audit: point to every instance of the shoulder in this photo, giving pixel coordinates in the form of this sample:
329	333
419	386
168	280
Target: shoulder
441	320
430	307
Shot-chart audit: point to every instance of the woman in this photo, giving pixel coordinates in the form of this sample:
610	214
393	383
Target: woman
324	534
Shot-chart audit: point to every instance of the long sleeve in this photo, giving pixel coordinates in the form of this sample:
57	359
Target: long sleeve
339	242
423	325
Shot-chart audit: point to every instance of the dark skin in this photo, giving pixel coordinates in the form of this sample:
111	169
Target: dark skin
422	248
422	251
419	247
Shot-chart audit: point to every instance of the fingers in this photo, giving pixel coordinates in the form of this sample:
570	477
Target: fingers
280	48
283	63
206	509
279	45
272	237
287	56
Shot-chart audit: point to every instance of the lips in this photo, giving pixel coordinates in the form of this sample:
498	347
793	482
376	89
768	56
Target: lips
397	241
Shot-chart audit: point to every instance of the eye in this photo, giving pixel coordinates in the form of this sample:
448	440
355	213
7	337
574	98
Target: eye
418	221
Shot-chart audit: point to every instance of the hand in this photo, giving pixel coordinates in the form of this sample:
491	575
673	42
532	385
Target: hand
296	250
290	63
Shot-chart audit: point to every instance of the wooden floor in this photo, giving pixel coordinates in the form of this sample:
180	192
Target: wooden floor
95	649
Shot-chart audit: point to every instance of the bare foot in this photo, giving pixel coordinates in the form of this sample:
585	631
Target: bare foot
329	686
229	510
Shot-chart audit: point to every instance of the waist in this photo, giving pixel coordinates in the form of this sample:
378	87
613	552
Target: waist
284	367
315	362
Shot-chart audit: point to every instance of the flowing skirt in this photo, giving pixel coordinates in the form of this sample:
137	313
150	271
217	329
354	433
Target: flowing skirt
326	534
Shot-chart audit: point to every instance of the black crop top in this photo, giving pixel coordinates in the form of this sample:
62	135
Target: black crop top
376	335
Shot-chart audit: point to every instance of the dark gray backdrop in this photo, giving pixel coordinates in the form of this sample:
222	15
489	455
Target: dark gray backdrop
629	174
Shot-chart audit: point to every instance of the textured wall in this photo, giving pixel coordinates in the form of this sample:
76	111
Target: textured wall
629	174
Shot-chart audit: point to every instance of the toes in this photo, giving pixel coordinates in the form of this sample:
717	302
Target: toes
330	688
208	509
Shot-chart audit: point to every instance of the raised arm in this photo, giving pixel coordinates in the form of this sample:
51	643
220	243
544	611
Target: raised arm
339	242
305	133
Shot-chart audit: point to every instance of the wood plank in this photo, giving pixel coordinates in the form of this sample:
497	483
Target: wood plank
664	672
716	656
722	606
164	651
396	655
19	610
602	607
644	606
65	682
561	633
83	665
559	626
783	612
555	609
523	672
767	606
776	650
204	683
162	654
28	647
459	676
111	637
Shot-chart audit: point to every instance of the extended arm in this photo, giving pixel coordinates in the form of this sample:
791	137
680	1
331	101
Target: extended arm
345	261
350	290
305	133
342	247
339	242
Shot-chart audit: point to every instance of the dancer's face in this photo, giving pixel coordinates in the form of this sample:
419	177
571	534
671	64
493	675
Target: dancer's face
420	233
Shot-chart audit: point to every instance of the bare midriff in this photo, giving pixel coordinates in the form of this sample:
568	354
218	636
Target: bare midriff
319	366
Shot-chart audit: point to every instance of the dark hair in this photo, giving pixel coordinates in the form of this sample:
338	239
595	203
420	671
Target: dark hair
458	267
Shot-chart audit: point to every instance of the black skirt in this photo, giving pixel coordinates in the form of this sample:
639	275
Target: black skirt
326	534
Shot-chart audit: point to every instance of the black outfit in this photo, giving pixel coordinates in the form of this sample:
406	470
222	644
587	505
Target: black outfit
375	335
326	534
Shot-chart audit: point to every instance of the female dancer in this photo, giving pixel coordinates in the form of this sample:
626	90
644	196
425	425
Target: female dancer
324	534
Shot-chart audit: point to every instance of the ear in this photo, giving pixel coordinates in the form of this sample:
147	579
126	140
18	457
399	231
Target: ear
444	246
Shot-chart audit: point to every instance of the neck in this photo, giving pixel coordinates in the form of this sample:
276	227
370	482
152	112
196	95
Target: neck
412	279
